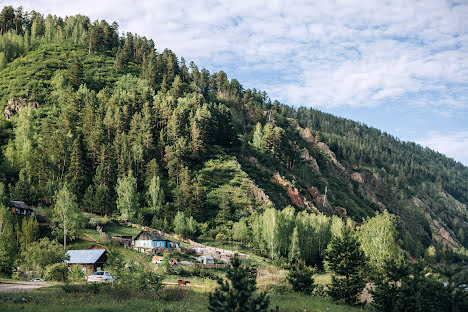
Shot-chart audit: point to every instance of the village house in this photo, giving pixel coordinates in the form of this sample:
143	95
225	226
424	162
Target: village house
206	259
150	240
91	260
19	208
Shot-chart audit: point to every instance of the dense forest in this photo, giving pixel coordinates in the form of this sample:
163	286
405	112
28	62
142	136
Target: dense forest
138	133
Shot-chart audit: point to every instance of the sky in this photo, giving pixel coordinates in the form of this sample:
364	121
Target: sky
400	66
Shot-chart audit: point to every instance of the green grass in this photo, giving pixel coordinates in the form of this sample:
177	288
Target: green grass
54	299
114	228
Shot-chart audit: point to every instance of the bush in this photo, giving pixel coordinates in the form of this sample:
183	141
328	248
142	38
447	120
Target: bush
301	280
76	273
58	272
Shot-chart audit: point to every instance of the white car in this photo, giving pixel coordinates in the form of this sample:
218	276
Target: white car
37	280
100	276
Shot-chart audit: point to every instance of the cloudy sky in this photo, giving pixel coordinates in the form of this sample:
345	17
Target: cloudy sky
400	66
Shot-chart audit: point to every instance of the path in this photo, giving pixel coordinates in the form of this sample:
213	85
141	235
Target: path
21	286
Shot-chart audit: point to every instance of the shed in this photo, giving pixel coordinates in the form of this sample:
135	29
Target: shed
206	259
150	240
91	260
20	208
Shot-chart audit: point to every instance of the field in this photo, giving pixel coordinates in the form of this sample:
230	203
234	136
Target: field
170	298
54	299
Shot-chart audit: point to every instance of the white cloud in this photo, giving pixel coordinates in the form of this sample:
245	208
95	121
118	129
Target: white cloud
321	53
454	145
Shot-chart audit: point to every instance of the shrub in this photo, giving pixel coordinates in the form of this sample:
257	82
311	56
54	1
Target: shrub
76	273
58	272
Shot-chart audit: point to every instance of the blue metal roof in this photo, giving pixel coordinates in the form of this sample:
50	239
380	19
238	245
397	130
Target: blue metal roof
84	256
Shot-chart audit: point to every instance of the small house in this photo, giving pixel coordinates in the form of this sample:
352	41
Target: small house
19	208
206	259
91	260
150	240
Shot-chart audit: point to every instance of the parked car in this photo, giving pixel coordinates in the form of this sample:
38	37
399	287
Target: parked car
100	276
37	280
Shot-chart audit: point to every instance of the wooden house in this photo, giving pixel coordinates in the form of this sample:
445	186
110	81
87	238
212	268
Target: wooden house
91	260
150	240
19	208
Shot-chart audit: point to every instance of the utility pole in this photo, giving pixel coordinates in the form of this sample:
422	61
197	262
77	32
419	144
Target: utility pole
325	198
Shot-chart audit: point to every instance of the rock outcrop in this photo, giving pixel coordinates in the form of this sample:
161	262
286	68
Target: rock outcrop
15	105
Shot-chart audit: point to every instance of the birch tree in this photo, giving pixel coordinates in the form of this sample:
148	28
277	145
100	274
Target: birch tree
66	216
127	196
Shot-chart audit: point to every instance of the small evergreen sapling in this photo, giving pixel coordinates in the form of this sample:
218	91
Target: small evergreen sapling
238	293
346	260
301	279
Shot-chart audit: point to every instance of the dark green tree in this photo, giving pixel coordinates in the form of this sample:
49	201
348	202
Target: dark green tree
75	73
238	292
301	278
347	262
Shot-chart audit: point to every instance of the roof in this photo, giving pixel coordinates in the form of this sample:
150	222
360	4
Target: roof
19	204
84	256
147	235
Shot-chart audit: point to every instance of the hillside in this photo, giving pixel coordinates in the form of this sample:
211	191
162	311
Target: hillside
84	107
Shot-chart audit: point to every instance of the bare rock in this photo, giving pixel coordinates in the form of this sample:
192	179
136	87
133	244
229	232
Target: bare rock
356	176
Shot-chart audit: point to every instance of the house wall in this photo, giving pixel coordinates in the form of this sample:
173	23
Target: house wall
143	243
152	244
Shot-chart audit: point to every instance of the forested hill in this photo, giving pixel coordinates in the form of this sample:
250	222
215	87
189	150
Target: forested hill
107	114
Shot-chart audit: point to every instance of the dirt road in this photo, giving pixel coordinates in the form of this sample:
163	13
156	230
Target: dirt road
21	286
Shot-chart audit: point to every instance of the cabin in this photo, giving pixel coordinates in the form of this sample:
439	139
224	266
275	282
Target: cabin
206	259
19	208
90	261
150	240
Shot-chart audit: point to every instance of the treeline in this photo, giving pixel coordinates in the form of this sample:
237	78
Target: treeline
289	237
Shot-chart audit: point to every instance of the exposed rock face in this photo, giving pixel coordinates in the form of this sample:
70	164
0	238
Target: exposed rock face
356	176
254	161
307	135
15	105
440	233
293	193
311	160
326	150
260	196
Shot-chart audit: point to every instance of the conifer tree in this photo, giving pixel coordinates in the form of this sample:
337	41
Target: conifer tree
347	262
75	74
238	292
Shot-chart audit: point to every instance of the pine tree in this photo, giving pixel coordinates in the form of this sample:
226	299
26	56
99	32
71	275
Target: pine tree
75	74
238	292
347	262
301	278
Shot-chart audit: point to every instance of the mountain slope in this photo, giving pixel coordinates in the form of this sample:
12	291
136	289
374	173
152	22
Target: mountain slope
86	107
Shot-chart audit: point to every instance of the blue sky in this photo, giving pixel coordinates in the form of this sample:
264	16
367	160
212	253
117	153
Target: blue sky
400	66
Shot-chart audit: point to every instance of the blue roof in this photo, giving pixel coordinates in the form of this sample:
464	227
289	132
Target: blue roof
84	256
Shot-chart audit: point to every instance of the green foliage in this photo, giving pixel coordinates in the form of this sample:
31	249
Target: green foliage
29	231
67	219
127	200
76	273
238	292
7	242
301	279
378	236
58	272
39	255
347	262
404	287
185	226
